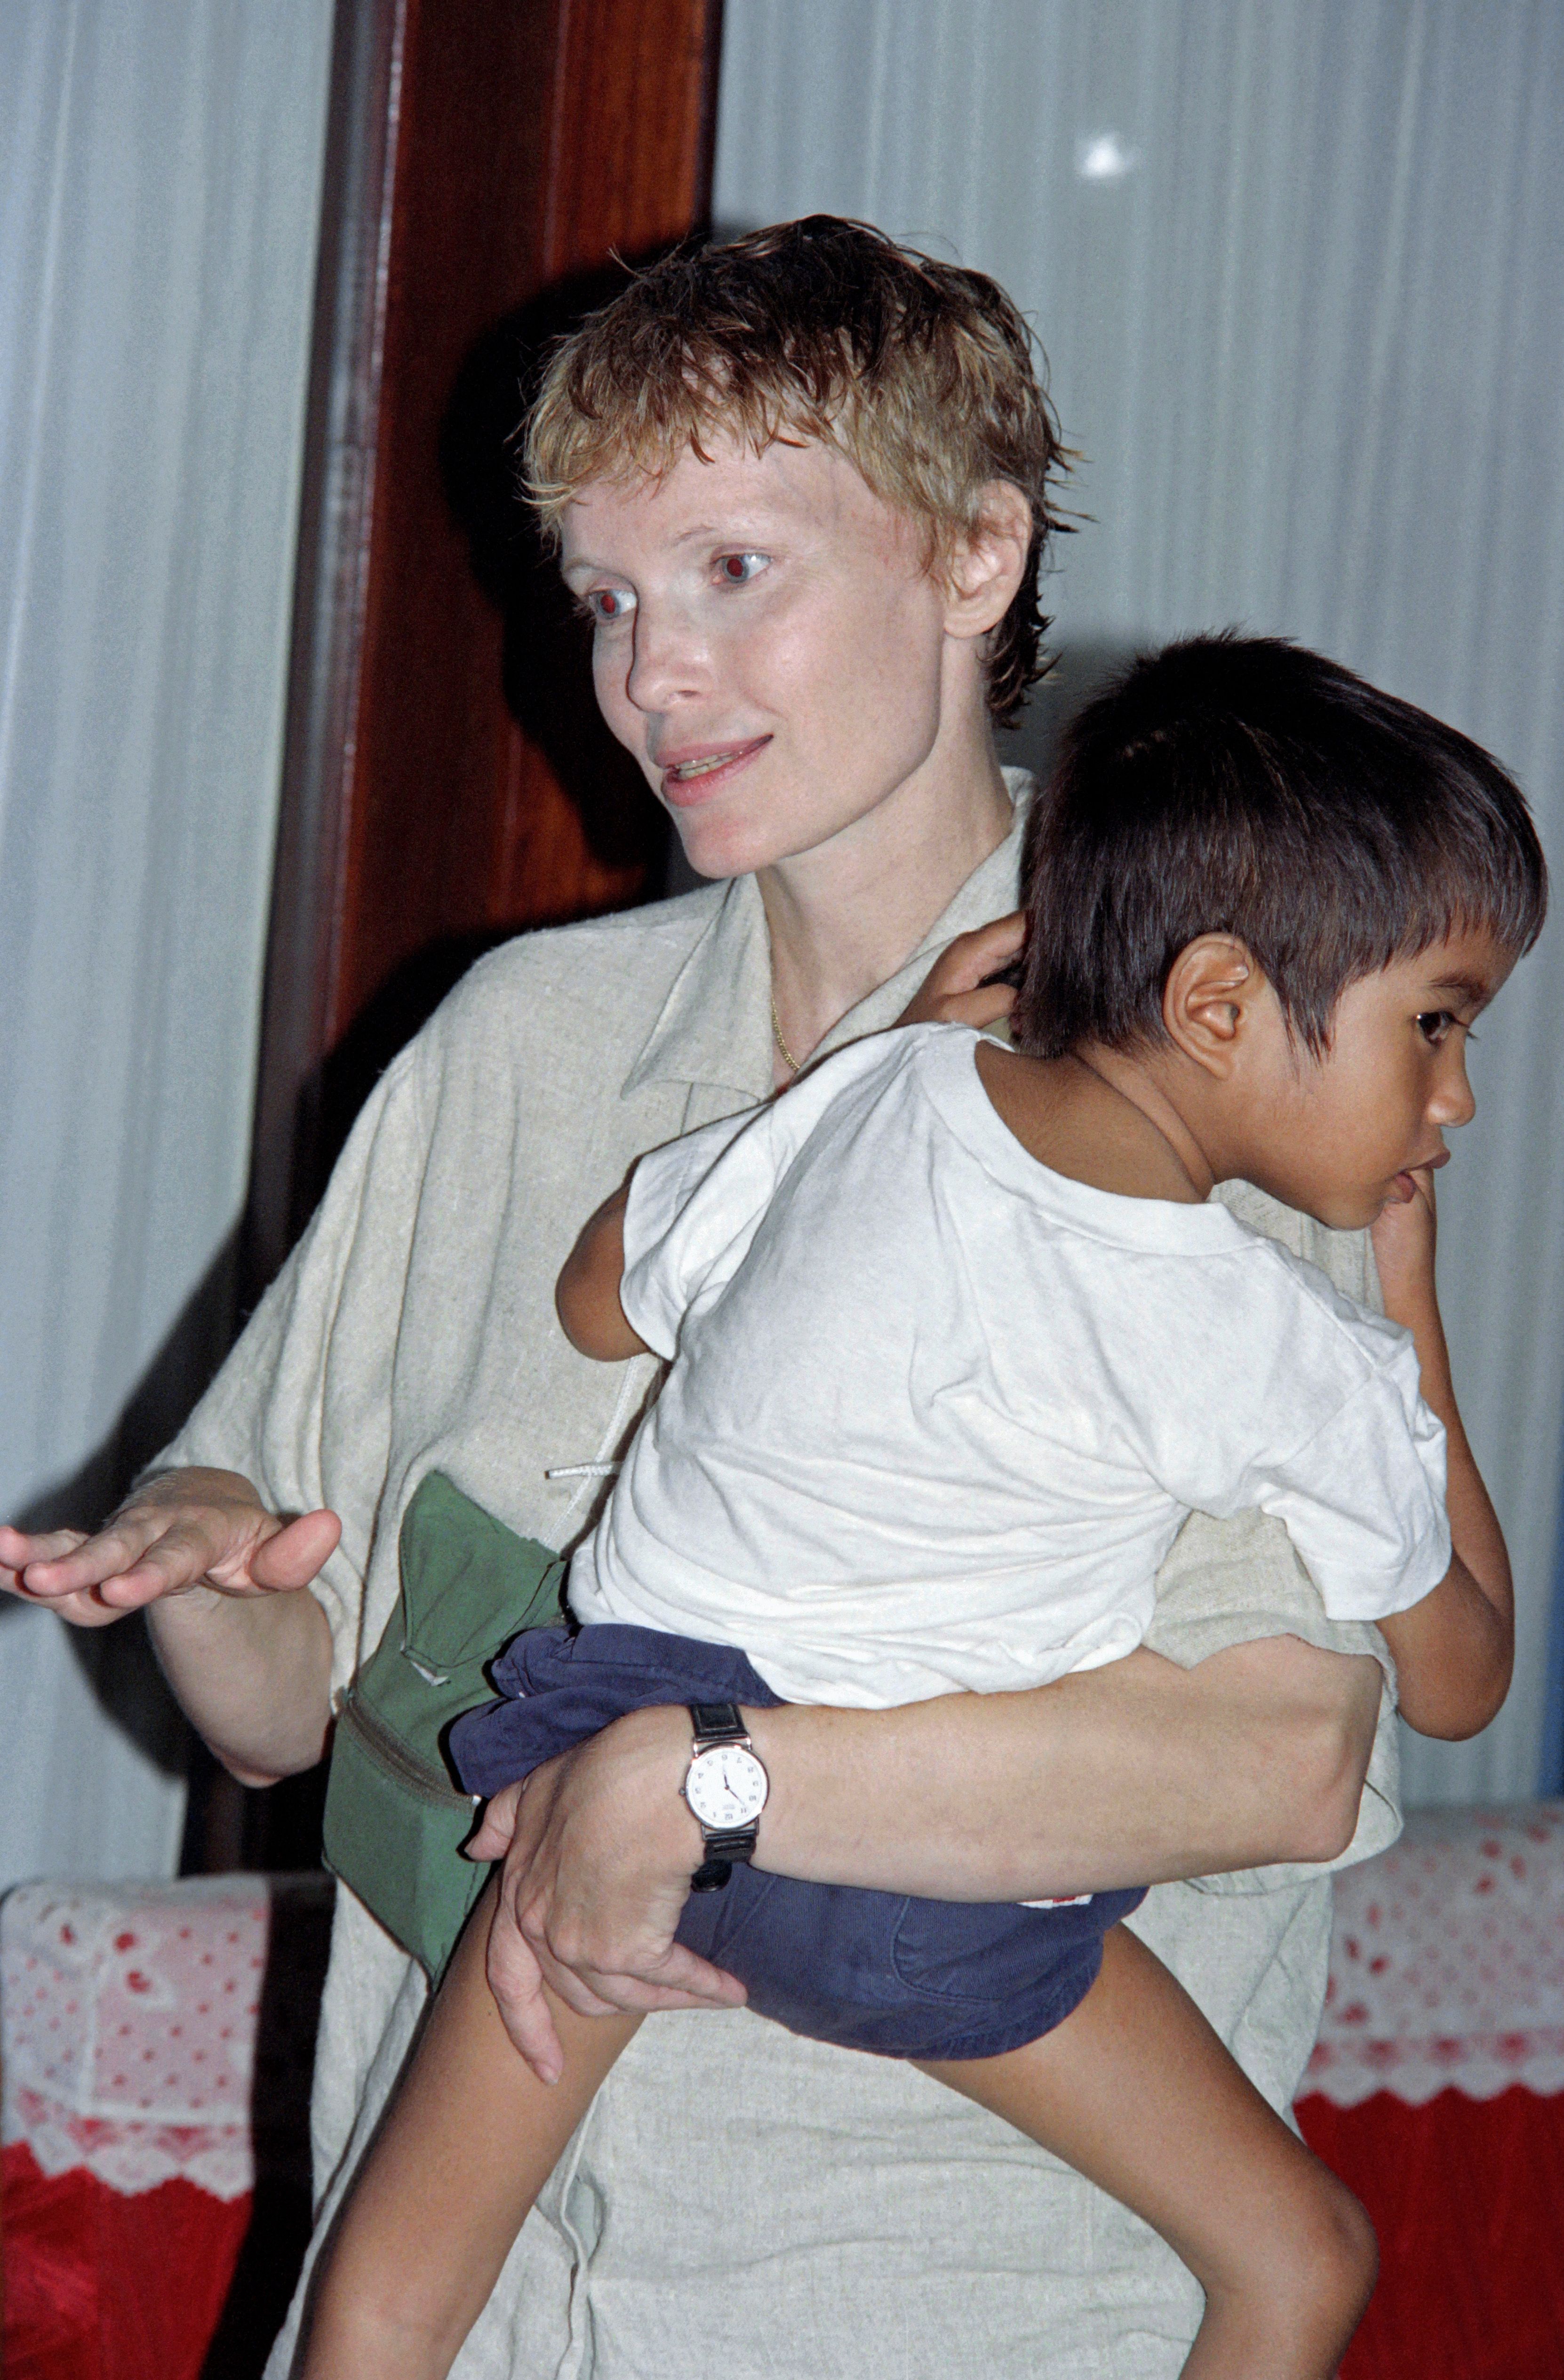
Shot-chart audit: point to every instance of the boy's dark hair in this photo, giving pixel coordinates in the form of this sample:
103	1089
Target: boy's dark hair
1247	786
922	374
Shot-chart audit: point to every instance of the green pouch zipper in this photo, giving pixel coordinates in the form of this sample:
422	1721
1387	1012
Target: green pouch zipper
395	1816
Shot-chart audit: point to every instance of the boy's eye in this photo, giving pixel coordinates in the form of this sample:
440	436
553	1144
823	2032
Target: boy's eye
1434	1024
604	605
739	569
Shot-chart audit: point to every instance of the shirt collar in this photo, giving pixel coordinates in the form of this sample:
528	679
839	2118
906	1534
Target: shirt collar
715	1025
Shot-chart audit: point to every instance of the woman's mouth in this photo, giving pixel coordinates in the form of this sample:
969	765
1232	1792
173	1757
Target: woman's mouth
694	775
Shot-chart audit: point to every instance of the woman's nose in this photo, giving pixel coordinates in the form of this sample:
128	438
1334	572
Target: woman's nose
668	659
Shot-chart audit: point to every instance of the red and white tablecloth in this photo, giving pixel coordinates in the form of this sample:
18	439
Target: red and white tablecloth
1437	2091
130	2022
155	2052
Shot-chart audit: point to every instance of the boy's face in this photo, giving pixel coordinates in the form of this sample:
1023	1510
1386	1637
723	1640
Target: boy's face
1346	1132
768	642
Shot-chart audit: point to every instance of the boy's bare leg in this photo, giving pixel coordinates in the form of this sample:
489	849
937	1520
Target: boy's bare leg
469	2142
1136	2092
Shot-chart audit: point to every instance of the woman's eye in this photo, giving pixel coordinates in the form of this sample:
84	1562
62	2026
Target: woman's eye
739	569
604	605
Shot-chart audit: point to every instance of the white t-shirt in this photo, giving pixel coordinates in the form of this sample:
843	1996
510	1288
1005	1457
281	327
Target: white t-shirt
936	1413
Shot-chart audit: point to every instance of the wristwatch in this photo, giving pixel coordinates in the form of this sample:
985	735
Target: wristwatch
726	1788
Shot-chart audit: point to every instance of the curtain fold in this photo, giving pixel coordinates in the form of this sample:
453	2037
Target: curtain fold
160	171
1299	268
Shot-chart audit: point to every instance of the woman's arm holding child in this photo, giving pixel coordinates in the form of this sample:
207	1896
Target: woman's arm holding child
1125	1775
1454	1650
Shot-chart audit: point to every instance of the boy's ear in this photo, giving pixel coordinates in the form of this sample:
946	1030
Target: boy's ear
1210	1001
985	569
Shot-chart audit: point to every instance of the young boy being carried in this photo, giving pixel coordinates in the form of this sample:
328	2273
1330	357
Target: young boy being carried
957	1342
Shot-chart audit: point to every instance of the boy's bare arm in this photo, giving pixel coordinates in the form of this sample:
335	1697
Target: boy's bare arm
1453	1651
587	1294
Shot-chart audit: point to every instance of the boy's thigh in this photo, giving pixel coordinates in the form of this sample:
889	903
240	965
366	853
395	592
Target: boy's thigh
1257	1964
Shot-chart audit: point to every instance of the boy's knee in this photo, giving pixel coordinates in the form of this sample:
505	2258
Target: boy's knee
1349	2252
1324	2266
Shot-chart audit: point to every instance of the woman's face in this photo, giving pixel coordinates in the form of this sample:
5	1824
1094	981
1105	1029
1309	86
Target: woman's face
768	642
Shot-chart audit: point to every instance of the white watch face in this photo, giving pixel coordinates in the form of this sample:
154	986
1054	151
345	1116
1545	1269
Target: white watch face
726	1788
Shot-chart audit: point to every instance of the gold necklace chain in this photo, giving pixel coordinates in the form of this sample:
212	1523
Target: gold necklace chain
795	1065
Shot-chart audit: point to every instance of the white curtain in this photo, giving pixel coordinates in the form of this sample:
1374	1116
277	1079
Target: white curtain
1299	268
160	172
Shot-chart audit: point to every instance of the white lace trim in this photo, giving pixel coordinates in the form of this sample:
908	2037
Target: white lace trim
1447	1962
130	2021
129	2158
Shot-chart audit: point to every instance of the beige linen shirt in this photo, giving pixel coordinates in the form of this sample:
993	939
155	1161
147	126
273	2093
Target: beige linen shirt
736	2201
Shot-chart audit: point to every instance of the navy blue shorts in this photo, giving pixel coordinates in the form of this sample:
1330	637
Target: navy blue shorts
879	1971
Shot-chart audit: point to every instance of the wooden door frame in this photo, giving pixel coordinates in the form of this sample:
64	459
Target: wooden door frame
586	128
480	156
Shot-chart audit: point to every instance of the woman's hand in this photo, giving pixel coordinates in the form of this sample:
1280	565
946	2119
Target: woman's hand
248	1656
191	1532
958	990
598	1849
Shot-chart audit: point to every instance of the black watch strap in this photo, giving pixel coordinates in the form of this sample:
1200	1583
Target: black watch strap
720	1723
723	1854
717	1723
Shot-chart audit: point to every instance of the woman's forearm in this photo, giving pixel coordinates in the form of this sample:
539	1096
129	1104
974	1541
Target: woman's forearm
251	1675
1130	1774
1133	1774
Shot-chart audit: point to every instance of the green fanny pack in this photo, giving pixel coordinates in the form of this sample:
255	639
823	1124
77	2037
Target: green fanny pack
396	1817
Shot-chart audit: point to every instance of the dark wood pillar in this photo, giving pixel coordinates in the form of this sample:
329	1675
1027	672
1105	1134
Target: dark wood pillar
447	779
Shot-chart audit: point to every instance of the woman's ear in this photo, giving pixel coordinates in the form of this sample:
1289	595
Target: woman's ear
985	568
1211	1002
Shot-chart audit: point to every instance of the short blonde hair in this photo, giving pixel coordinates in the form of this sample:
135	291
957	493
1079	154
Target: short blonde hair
920	373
